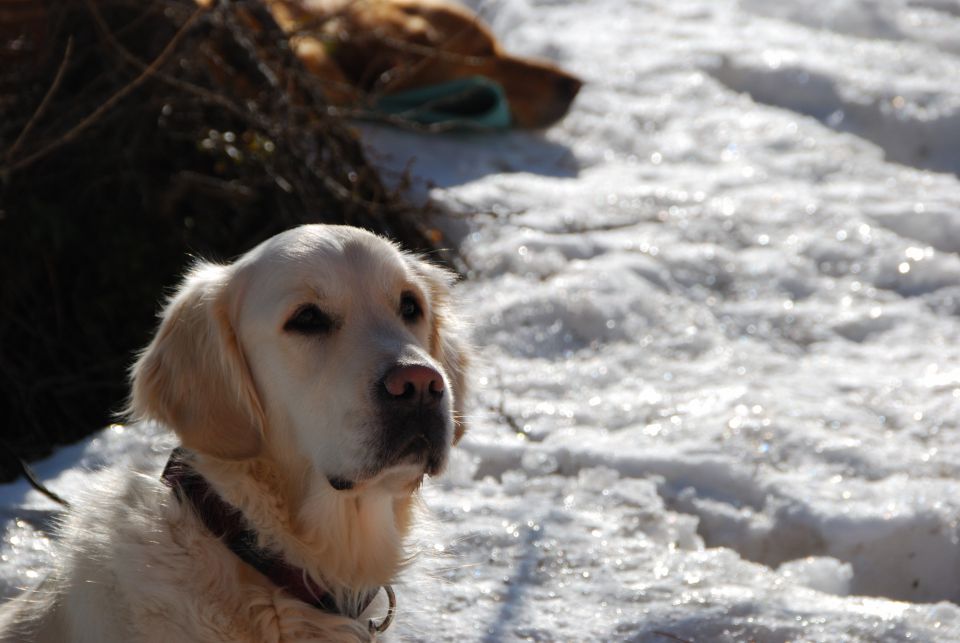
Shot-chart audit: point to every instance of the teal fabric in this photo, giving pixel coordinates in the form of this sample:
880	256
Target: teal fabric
467	103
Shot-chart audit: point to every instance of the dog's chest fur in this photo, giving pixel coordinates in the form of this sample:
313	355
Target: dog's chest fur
137	550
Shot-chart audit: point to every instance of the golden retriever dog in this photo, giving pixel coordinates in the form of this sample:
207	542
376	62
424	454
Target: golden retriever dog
313	383
381	47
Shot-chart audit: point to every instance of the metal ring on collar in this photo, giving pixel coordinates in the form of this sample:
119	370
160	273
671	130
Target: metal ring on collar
391	610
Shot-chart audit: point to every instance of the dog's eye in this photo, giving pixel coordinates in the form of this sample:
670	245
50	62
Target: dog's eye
410	308
309	320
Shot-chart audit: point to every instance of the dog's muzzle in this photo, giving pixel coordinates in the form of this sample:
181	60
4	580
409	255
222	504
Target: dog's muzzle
415	416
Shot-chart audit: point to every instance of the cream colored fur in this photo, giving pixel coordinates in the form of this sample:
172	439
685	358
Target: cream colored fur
270	416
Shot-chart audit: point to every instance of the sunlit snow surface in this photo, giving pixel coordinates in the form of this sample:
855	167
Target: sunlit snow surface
717	306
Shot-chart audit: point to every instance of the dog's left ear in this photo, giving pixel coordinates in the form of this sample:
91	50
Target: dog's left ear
448	342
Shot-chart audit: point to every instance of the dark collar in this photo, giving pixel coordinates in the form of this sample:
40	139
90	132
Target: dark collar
227	523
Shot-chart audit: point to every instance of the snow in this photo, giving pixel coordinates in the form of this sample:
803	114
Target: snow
717	311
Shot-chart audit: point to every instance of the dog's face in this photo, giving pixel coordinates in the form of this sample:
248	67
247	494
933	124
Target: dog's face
324	343
453	43
341	334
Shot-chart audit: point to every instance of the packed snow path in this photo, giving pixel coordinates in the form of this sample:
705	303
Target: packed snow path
717	310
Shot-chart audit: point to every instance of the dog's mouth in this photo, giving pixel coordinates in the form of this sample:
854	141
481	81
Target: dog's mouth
403	478
417	458
341	484
420	450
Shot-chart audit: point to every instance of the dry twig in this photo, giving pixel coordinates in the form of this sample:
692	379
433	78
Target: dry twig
45	103
109	104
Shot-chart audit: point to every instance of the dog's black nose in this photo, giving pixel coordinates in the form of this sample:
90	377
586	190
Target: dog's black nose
414	384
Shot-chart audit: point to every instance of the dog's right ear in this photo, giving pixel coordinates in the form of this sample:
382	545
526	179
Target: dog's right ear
193	376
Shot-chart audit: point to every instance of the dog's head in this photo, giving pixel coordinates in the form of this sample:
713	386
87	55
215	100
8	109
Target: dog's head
324	345
386	46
